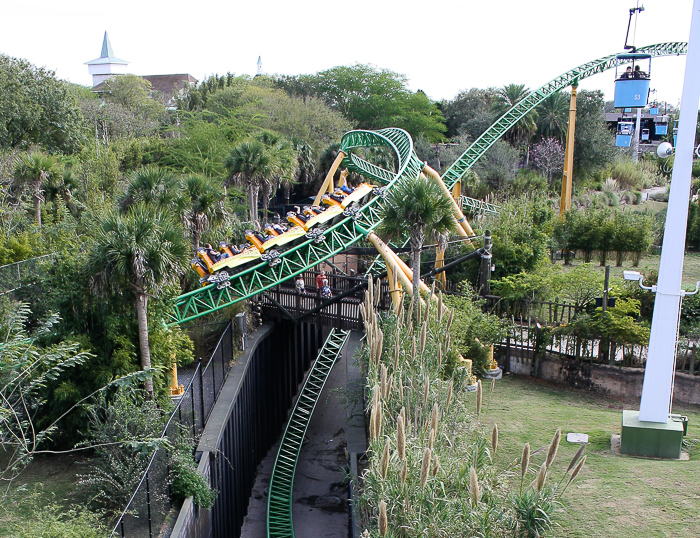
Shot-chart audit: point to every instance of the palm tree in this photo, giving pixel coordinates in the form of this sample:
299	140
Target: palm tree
248	164
34	170
142	250
415	207
151	185
283	166
553	117
203	206
505	99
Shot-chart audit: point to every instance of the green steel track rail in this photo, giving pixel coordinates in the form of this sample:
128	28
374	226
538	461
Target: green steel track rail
279	499
477	206
348	231
489	137
311	252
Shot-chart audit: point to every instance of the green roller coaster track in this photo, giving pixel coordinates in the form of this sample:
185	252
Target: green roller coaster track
279	499
348	231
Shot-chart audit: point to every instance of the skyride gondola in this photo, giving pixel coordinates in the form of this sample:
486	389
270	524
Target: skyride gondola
632	73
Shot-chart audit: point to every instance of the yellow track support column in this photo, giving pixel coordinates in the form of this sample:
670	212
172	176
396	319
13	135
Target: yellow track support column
395	291
390	259
567	181
439	264
464	229
175	388
327	185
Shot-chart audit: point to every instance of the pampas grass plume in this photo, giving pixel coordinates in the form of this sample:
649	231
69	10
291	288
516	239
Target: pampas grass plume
401	437
383	522
525	460
427	457
474	490
436	465
494	439
541	477
576	457
479	397
553	447
404	472
450	388
384	466
383	379
577	469
426	389
434	418
423	337
431	439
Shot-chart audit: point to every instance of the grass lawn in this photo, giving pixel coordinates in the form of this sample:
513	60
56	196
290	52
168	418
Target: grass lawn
52	478
614	495
650	262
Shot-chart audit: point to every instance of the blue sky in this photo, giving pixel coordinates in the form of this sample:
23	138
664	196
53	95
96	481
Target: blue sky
442	46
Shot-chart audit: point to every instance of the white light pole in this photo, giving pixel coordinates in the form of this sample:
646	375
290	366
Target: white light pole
658	377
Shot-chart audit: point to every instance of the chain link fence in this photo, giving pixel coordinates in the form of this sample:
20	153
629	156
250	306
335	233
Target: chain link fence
145	514
15	275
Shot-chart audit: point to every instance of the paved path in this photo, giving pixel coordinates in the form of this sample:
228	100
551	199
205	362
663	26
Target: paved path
320	496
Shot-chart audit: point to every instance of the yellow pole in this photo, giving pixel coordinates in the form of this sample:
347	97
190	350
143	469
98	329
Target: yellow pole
175	388
328	182
391	259
440	263
394	292
457	189
567	180
465	228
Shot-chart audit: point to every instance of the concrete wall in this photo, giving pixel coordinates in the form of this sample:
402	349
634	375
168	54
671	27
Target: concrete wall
612	380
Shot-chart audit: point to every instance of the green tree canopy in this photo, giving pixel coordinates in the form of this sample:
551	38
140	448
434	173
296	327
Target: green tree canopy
36	108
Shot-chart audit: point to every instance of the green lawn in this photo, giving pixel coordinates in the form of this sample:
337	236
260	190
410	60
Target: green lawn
53	479
650	262
614	495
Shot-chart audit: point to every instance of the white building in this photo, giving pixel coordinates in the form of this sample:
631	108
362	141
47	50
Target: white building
107	65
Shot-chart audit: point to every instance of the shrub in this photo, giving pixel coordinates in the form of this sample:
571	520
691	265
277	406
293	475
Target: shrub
187	481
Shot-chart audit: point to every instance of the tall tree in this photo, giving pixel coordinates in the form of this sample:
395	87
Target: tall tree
248	164
151	185
415	207
143	251
32	171
506	98
203	206
553	116
36	108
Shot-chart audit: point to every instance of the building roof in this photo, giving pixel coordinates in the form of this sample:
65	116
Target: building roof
106	55
169	85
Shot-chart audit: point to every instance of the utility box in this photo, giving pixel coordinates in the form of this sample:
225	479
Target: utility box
651	439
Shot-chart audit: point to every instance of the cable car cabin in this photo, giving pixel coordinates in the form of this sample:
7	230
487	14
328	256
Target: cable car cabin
623	139
645	134
661	128
631	80
654	110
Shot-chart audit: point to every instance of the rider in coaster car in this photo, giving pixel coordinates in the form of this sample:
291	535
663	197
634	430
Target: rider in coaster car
346	189
214	256
298	214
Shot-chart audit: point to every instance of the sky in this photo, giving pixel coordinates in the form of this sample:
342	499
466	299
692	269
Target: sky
442	46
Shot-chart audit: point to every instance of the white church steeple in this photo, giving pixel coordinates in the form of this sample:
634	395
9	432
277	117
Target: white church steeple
107	65
260	71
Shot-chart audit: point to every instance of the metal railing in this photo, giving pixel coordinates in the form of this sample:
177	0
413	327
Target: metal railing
149	505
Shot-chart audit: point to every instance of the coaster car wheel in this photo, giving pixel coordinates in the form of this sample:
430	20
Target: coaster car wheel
316	234
353	211
379	191
272	257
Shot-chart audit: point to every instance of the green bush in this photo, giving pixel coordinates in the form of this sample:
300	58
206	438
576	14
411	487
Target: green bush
186	481
634	176
54	521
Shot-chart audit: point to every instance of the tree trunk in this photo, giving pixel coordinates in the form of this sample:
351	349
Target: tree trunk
37	203
142	314
252	202
415	262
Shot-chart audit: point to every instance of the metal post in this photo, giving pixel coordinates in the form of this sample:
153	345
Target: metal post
485	273
637	134
148	505
658	376
201	391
